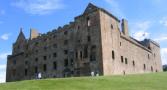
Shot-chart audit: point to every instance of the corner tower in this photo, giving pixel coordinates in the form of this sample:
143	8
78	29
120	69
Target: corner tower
20	43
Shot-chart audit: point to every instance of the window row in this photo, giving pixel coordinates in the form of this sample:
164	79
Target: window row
44	68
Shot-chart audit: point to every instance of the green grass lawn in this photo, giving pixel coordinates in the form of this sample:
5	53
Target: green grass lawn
154	81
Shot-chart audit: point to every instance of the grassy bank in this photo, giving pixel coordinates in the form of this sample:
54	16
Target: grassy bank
154	81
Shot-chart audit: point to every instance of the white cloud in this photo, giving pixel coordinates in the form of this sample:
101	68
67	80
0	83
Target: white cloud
163	21
139	30
2	67
160	39
141	35
158	2
164	55
5	36
115	8
39	7
3	76
141	26
3	56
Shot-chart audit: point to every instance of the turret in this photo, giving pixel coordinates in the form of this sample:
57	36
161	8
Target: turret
20	43
21	36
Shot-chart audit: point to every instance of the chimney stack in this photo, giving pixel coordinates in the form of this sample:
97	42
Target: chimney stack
125	27
33	34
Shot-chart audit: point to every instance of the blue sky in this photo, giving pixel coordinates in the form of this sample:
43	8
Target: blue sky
147	19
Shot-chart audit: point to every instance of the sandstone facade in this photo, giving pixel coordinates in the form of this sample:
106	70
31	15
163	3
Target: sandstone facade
95	42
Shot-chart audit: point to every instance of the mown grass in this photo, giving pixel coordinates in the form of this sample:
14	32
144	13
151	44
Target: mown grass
153	81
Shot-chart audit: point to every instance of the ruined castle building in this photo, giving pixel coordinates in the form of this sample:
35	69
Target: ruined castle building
95	43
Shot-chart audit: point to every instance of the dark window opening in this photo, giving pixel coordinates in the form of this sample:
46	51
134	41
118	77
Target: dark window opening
44	67
36	59
25	72
76	54
26	62
149	47
126	61
55	65
144	66
112	27
89	38
152	69
122	59
72	61
133	63
54	54
78	41
85	51
93	57
78	27
72	72
45	57
65	62
113	55
120	43
93	53
80	54
36	69
65	51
